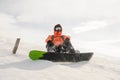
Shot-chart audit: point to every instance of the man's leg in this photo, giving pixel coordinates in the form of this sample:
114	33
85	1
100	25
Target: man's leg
50	46
68	46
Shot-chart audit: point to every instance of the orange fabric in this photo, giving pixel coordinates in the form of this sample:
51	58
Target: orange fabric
57	40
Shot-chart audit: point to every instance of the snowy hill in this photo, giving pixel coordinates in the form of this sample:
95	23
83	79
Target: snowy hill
20	67
93	25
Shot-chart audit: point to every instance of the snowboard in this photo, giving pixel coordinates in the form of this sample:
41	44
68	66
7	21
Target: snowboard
60	57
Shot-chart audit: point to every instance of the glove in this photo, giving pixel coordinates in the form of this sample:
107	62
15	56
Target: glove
49	43
67	41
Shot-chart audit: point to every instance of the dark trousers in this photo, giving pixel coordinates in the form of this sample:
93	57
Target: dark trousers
66	47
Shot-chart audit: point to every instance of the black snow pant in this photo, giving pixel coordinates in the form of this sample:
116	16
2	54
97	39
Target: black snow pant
66	47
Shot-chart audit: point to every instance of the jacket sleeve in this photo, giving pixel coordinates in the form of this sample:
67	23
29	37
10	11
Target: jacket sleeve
49	38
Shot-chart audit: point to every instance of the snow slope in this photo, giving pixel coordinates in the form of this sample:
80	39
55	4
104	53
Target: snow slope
20	67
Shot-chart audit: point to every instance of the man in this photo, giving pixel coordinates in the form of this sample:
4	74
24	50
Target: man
59	43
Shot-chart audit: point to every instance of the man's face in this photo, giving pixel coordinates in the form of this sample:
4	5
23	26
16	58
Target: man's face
57	33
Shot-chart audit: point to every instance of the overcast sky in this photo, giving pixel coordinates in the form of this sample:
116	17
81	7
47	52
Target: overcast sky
83	20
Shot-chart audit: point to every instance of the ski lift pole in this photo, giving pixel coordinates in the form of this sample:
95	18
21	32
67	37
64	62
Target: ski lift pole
16	45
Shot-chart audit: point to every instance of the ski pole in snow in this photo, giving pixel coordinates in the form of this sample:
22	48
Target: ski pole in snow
16	45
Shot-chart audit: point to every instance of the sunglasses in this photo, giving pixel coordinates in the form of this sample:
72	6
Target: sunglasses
58	29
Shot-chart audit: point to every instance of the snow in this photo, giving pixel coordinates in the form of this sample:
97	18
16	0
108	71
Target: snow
93	25
19	67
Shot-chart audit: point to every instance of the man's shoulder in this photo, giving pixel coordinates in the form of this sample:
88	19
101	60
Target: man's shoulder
66	36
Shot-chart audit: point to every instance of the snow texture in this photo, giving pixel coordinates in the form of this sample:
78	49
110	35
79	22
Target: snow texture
20	67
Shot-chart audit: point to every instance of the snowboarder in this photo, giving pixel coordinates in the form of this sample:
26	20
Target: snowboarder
59	43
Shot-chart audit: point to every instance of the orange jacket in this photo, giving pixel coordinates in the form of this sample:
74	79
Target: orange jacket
57	40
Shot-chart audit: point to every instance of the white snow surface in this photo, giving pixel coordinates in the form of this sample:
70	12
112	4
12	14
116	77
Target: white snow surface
19	67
